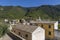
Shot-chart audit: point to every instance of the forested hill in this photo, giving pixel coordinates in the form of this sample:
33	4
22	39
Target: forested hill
12	12
18	12
45	12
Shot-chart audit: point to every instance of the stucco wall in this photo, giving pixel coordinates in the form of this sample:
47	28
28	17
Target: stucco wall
38	34
56	26
22	34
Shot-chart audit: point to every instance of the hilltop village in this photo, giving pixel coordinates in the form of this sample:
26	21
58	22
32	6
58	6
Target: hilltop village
34	29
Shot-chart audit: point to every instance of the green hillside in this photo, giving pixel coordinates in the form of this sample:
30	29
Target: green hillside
18	12
45	12
12	12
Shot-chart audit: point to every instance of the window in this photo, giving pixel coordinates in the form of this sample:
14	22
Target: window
19	33
26	35
49	26
31	24
21	21
41	25
14	30
49	33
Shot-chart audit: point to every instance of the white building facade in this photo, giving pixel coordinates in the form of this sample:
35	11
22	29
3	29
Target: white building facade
38	34
56	25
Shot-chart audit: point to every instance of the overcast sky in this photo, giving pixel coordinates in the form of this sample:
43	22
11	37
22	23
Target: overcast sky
28	3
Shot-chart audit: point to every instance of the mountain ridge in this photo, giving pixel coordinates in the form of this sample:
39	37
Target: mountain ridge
18	12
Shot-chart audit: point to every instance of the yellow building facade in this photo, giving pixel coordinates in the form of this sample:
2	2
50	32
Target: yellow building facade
49	29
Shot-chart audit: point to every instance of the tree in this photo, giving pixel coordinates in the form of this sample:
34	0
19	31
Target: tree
3	30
